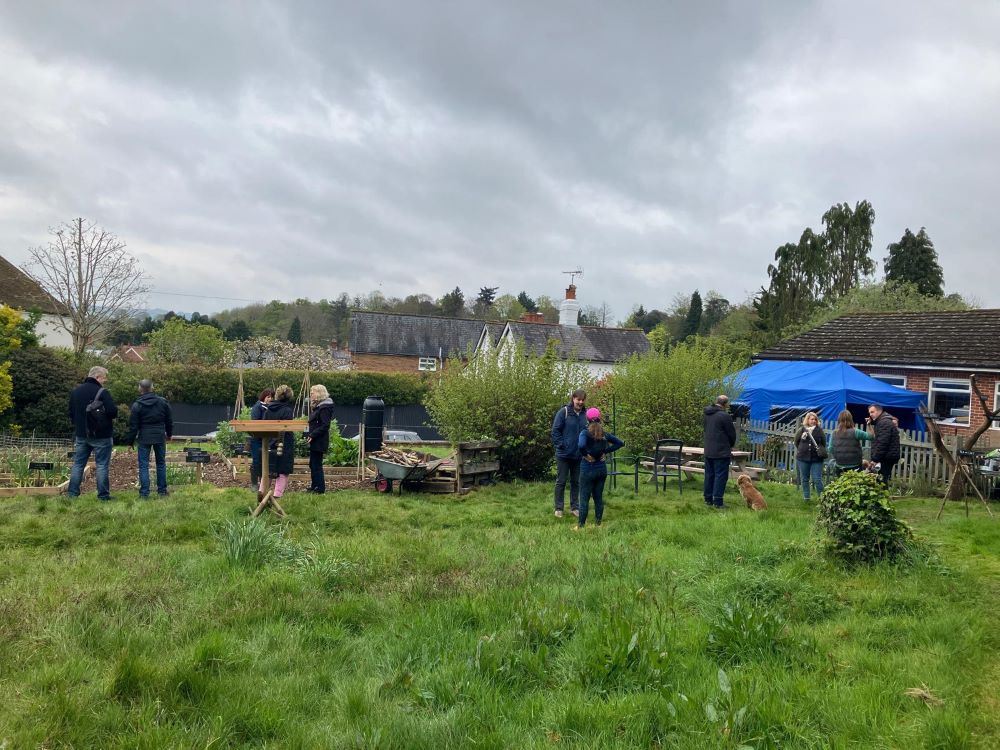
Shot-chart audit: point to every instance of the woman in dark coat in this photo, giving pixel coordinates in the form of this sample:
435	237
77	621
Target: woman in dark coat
319	435
282	452
810	452
257	412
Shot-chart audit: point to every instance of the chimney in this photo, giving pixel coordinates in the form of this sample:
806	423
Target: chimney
532	317
569	310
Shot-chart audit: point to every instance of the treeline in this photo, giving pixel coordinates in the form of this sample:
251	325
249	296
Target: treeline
825	273
319	323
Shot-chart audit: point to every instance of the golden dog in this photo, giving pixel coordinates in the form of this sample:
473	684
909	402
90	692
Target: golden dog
752	496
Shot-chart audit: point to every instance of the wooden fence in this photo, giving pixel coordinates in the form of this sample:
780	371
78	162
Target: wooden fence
771	446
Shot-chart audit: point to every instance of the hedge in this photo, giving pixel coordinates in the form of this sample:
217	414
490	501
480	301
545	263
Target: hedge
196	385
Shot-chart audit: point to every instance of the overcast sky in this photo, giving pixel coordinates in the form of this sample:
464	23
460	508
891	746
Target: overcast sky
256	151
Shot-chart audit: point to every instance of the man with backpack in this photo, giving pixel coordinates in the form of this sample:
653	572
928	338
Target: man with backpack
92	411
567	424
152	423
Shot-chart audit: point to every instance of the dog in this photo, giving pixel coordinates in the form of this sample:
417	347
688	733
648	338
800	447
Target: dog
752	496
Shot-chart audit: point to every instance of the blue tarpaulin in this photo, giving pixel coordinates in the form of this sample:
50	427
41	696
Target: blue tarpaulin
775	389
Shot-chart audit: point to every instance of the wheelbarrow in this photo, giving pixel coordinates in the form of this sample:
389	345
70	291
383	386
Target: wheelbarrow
390	471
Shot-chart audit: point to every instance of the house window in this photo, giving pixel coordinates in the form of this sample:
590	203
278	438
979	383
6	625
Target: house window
897	380
950	400
427	364
996	405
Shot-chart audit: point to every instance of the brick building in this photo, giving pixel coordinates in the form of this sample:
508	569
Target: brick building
935	353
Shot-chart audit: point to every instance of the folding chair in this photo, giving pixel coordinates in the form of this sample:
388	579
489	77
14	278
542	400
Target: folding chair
668	457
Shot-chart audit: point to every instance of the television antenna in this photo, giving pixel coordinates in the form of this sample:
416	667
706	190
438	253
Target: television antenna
574	274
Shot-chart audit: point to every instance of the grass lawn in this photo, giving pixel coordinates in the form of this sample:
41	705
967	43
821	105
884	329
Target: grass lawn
433	621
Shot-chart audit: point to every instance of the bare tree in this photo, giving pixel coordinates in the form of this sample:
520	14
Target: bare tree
91	277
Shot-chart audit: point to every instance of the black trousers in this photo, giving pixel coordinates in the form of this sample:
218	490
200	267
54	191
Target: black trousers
885	471
318	481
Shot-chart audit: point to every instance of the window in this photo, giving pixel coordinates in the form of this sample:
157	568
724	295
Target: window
996	405
897	380
950	400
427	364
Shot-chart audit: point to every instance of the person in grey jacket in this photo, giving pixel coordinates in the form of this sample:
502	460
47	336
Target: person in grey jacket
151	422
567	424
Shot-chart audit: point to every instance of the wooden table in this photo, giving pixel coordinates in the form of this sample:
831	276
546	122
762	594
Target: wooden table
695	463
267	430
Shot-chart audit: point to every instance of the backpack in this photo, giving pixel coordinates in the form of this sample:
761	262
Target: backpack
97	415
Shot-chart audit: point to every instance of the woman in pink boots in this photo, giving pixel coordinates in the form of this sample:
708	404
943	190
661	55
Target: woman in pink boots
282	452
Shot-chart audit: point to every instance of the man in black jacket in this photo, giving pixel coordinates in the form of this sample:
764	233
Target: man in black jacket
152	423
720	437
885	445
93	429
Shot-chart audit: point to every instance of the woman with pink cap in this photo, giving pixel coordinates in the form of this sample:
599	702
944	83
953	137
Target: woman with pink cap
594	444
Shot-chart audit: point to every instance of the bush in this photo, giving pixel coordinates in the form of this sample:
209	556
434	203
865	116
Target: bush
859	521
510	397
42	381
659	395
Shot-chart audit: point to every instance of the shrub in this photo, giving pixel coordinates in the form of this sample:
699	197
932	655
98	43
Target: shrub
658	395
227	438
859	521
42	381
509	396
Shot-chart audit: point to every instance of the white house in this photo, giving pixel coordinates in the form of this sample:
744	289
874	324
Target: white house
598	349
20	291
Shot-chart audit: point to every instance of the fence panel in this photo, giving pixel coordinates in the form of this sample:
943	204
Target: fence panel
771	446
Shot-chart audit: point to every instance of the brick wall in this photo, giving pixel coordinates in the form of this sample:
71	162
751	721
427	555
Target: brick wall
919	380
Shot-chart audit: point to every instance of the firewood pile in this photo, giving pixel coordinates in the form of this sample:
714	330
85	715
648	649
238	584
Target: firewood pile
397	456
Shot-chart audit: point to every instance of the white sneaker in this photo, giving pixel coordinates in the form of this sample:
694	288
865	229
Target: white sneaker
575	513
558	514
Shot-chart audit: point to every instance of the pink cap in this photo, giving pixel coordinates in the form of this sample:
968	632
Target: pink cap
593	414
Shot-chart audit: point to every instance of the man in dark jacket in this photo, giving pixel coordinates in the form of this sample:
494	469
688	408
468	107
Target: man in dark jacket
93	430
567	425
720	437
152	423
885	445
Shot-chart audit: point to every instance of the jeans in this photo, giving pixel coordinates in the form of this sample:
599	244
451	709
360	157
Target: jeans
318	481
102	457
810	470
160	453
592	483
567	467
716	476
255	450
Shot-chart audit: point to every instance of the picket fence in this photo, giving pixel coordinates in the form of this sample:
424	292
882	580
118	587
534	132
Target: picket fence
771	446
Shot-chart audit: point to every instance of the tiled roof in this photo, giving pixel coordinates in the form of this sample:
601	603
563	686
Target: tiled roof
965	338
411	335
19	290
586	343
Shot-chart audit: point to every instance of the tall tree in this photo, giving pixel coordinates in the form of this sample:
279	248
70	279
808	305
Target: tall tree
795	282
453	303
92	278
295	331
848	244
526	302
484	301
716	308
692	322
913	260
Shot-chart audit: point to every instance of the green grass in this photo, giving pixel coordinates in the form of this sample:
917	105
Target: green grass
433	621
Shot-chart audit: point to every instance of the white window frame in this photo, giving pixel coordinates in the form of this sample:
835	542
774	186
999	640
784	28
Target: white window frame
938	382
996	405
882	376
427	364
